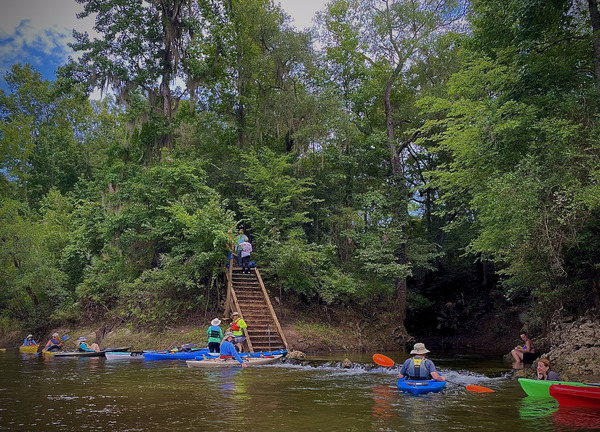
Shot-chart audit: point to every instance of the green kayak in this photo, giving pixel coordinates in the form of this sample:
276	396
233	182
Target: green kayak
541	388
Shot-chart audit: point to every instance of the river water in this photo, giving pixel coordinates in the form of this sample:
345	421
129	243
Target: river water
93	394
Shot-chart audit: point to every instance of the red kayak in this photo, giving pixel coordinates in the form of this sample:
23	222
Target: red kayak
568	395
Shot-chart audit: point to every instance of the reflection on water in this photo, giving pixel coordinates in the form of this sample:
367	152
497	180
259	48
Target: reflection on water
535	408
91	394
577	418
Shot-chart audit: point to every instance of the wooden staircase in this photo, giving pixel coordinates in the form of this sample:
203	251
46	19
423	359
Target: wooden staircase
247	295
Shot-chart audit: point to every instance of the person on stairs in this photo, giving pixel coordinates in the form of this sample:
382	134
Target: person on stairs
246	250
236	329
241	238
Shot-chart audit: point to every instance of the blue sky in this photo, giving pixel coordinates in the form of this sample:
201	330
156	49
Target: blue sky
37	31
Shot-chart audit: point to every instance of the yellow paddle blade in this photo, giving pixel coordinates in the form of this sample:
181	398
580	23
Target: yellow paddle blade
479	389
382	360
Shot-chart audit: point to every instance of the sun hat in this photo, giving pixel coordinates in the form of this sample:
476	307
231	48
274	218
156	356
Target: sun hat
28	336
235	313
419	348
81	339
54	334
215	322
228	334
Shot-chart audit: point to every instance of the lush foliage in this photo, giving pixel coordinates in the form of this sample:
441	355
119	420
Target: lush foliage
404	157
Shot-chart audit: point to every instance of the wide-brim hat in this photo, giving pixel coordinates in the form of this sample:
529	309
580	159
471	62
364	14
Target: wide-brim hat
228	334
215	322
235	313
419	348
81	339
28	336
54	334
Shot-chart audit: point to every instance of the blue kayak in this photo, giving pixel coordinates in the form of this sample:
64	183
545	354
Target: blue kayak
177	355
206	355
420	386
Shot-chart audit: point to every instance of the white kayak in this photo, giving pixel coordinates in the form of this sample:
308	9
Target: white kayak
134	355
231	362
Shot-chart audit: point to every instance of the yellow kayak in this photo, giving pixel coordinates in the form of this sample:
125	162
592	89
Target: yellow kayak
31	349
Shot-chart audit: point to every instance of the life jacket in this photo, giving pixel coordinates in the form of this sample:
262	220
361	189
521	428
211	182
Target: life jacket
235	326
54	341
417	370
214	333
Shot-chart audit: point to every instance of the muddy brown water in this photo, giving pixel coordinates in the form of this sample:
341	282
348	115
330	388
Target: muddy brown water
93	394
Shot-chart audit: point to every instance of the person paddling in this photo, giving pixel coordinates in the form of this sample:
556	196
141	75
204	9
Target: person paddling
54	344
228	350
418	367
29	341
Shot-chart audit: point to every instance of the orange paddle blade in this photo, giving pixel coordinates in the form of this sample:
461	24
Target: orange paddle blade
479	389
382	360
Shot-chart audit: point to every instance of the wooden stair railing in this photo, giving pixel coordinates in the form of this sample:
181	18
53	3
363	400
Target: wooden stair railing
247	295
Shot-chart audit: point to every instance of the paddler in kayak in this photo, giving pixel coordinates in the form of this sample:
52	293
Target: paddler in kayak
418	367
29	341
83	346
228	350
54	344
544	372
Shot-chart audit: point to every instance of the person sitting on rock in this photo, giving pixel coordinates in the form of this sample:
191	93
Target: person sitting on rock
525	353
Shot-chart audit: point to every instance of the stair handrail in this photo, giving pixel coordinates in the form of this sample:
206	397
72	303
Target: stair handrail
239	311
229	288
273	315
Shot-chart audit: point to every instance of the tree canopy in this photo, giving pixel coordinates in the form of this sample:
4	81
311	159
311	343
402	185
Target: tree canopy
401	158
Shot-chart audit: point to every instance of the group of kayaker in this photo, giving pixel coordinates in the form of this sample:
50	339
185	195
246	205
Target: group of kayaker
420	368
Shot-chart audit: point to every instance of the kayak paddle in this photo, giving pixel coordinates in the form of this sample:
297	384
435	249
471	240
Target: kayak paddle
385	361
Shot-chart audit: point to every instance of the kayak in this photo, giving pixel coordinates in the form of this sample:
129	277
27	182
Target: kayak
29	349
100	353
134	355
420	386
216	362
568	395
541	388
177	355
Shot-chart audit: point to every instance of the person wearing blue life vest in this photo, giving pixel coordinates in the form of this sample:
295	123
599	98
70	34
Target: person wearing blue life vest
29	341
83	346
54	344
215	334
418	367
228	350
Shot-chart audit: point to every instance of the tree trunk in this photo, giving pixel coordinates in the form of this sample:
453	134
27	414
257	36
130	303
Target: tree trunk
595	21
399	192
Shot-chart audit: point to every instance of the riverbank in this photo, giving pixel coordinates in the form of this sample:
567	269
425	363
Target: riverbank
572	344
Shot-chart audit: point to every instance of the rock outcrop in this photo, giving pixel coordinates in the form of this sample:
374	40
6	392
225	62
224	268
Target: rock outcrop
575	347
